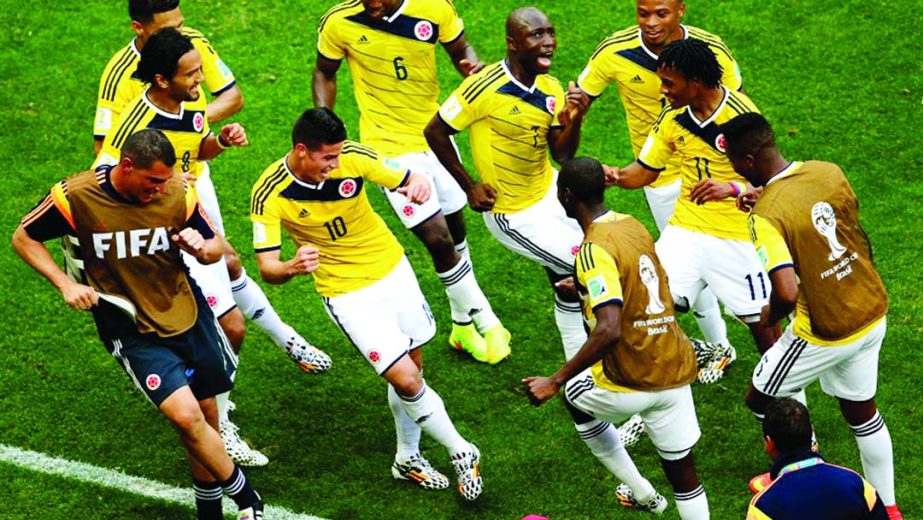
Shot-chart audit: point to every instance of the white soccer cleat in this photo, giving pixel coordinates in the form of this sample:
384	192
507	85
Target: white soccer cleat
419	471
238	449
626	497
712	360
467	466
631	431
254	512
309	359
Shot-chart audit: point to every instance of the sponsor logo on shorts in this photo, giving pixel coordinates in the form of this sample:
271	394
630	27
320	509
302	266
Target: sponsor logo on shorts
550	104
721	143
423	30
374	356
152	381
408	210
198	121
347	188
212	300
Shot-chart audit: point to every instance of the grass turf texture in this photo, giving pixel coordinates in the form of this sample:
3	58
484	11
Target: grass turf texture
836	78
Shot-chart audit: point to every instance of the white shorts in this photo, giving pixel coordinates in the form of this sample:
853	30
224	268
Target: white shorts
730	268
215	283
447	196
385	320
208	199
662	201
849	371
668	415
542	233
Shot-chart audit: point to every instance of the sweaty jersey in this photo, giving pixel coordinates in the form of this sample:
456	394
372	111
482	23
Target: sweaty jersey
185	130
699	145
617	265
509	131
126	249
625	60
808	218
120	84
392	62
356	247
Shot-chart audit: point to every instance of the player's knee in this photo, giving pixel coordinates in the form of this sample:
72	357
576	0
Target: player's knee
234	327
188	419
438	241
756	401
405	377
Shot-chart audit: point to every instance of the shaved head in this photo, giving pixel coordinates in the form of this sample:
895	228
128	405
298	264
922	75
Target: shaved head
523	18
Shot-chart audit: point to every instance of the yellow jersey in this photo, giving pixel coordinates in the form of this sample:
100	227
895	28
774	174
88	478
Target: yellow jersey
392	62
509	131
623	59
356	247
120	84
185	130
700	148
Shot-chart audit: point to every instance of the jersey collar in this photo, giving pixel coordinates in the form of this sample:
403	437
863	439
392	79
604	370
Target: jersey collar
651	53
134	48
604	216
397	13
788	170
295	178
161	112
515	81
714	114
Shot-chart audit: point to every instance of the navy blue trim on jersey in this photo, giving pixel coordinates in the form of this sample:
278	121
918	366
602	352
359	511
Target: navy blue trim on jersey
637	56
403	26
649	167
453	40
452	129
224	89
781	266
536	98
403	181
615	301
328	191
199	222
709	133
184	124
266	249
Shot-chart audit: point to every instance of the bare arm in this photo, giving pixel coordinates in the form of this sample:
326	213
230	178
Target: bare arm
275	271
633	176
604	336
77	296
463	56
230	135
784	296
225	105
324	82
97	146
481	197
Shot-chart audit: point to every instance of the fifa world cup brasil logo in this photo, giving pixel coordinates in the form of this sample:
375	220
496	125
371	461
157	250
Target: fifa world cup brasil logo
824	220
650	280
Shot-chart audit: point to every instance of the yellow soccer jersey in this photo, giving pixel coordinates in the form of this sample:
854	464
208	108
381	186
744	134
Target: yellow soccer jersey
774	254
120	84
356	247
700	148
623	59
185	131
392	62
509	132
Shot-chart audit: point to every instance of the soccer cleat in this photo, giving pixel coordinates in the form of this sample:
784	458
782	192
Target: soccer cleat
760	482
498	344
254	512
894	513
467	466
631	431
466	337
238	449
309	359
712	359
626	497
419	471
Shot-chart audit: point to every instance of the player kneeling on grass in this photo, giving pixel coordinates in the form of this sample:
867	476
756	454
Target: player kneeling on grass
636	360
367	284
132	220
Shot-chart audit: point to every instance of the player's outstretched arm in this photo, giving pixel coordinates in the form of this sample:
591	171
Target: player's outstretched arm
77	296
605	335
230	135
225	105
275	271
633	176
463	56
481	197
324	82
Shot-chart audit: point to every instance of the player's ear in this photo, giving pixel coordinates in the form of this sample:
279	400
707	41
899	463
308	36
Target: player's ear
137	27
161	81
510	44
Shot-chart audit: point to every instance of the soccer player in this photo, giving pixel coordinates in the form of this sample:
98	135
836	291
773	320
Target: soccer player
368	287
806	229
133	219
517	113
804	486
636	360
390	46
628	58
121	84
705	243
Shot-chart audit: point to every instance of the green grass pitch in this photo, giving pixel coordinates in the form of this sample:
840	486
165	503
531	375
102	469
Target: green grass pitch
841	80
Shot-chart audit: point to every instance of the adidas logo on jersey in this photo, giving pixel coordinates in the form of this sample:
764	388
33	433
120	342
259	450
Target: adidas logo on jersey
515	110
637	79
303	213
363	40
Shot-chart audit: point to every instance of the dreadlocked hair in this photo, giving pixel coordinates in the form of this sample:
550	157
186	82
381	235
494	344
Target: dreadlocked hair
694	60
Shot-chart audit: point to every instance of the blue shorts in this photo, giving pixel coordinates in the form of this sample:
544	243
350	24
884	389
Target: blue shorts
201	357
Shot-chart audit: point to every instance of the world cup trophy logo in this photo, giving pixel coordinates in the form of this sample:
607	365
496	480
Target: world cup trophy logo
650	280
824	220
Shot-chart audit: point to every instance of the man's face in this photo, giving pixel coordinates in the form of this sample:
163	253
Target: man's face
534	42
659	20
173	19
378	9
565	198
185	83
316	165
142	185
676	88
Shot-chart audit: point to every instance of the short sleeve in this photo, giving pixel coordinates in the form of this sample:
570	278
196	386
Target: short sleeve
731	77
595	76
457	111
218	77
450	26
384	172
657	148
769	243
50	218
328	41
599	275
267	226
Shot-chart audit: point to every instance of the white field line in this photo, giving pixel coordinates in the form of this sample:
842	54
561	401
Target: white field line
114	479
